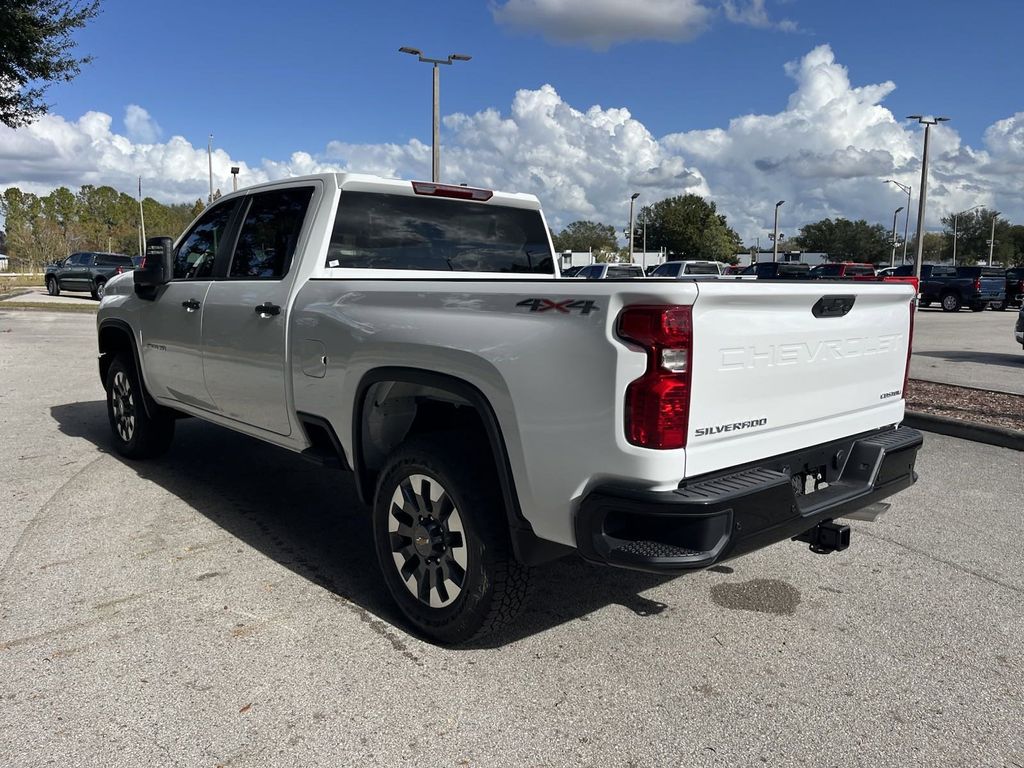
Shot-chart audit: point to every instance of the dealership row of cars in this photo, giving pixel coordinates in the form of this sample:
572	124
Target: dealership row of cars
952	288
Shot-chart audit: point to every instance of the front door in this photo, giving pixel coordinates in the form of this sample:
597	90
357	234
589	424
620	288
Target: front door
245	313
172	326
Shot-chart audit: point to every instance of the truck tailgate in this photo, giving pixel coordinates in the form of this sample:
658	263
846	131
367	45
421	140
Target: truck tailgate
782	366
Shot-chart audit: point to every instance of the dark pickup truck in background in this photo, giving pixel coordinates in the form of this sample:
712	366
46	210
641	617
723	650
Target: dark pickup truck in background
86	271
957	287
1014	288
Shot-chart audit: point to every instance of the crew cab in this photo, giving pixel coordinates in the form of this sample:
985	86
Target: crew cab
847	269
494	415
86	271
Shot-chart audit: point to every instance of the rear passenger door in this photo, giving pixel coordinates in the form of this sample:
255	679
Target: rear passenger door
245	313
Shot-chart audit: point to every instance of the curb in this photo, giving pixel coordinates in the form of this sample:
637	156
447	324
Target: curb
15	292
966	430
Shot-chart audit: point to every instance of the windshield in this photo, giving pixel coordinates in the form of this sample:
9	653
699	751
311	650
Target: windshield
404	232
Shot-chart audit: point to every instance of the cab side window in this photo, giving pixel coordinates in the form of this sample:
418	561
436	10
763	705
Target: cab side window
269	234
194	257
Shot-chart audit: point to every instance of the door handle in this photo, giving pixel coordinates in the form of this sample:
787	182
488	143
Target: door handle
191	305
268	310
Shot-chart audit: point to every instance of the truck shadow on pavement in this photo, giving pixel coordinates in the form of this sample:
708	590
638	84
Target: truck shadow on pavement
970	356
309	520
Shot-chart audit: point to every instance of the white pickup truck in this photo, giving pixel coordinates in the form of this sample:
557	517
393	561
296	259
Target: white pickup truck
495	415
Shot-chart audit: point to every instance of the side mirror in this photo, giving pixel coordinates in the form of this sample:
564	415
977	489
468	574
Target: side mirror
157	267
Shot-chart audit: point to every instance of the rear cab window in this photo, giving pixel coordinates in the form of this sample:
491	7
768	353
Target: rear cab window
391	231
702	269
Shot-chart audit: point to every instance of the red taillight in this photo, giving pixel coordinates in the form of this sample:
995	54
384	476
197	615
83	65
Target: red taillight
977	285
658	403
451	190
910	344
120	270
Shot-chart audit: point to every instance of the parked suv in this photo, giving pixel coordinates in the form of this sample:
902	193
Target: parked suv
86	271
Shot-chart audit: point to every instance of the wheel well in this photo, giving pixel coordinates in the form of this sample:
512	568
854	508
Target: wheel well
114	340
394	411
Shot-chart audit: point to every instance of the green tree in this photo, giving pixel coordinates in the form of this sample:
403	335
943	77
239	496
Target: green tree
36	49
587	236
845	240
689	226
973	231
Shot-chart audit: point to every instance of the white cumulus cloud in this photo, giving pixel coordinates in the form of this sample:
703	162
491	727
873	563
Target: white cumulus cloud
140	126
603	23
827	151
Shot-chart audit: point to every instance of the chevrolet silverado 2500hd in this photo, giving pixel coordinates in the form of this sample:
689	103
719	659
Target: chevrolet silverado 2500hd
496	416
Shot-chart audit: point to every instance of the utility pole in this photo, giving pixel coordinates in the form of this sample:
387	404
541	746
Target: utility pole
436	133
927	121
992	239
775	234
209	157
632	199
892	261
906	221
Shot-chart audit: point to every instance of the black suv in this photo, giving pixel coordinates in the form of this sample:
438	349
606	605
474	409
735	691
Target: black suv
86	271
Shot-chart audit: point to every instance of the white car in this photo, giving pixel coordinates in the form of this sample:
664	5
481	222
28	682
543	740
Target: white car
683	269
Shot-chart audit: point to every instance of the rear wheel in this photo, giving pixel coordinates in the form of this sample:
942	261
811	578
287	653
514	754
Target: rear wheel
951	303
442	541
52	287
138	434
1001	305
98	289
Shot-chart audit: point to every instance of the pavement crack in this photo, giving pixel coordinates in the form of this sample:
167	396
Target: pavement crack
944	561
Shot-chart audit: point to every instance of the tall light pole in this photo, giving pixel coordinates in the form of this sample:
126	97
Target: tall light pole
632	199
209	157
234	178
992	239
436	143
927	121
775	234
906	222
956	218
142	221
892	261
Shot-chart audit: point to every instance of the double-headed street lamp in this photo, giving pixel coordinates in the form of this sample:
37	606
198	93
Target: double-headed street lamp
927	121
956	219
436	143
906	223
892	261
775	233
632	199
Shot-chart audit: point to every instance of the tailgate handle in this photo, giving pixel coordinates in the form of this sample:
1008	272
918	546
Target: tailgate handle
833	306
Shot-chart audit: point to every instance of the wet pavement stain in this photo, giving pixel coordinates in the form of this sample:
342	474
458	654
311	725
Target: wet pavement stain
760	595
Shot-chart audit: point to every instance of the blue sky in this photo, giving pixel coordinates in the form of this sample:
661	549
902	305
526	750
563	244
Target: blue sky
270	79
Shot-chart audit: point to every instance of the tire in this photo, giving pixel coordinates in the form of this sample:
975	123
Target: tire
98	289
137	434
52	286
979	306
951	303
438	518
1001	305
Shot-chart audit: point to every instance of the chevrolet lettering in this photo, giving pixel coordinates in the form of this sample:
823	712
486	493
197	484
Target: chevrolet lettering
494	415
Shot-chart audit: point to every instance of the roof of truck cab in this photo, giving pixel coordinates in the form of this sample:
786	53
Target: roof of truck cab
364	182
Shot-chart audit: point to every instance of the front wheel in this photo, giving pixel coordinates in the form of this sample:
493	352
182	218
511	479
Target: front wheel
52	287
138	434
442	540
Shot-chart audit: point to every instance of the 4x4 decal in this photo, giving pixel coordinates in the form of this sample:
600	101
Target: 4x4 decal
584	306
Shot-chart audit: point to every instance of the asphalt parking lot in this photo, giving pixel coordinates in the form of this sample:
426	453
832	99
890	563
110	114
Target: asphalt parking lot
221	606
973	349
